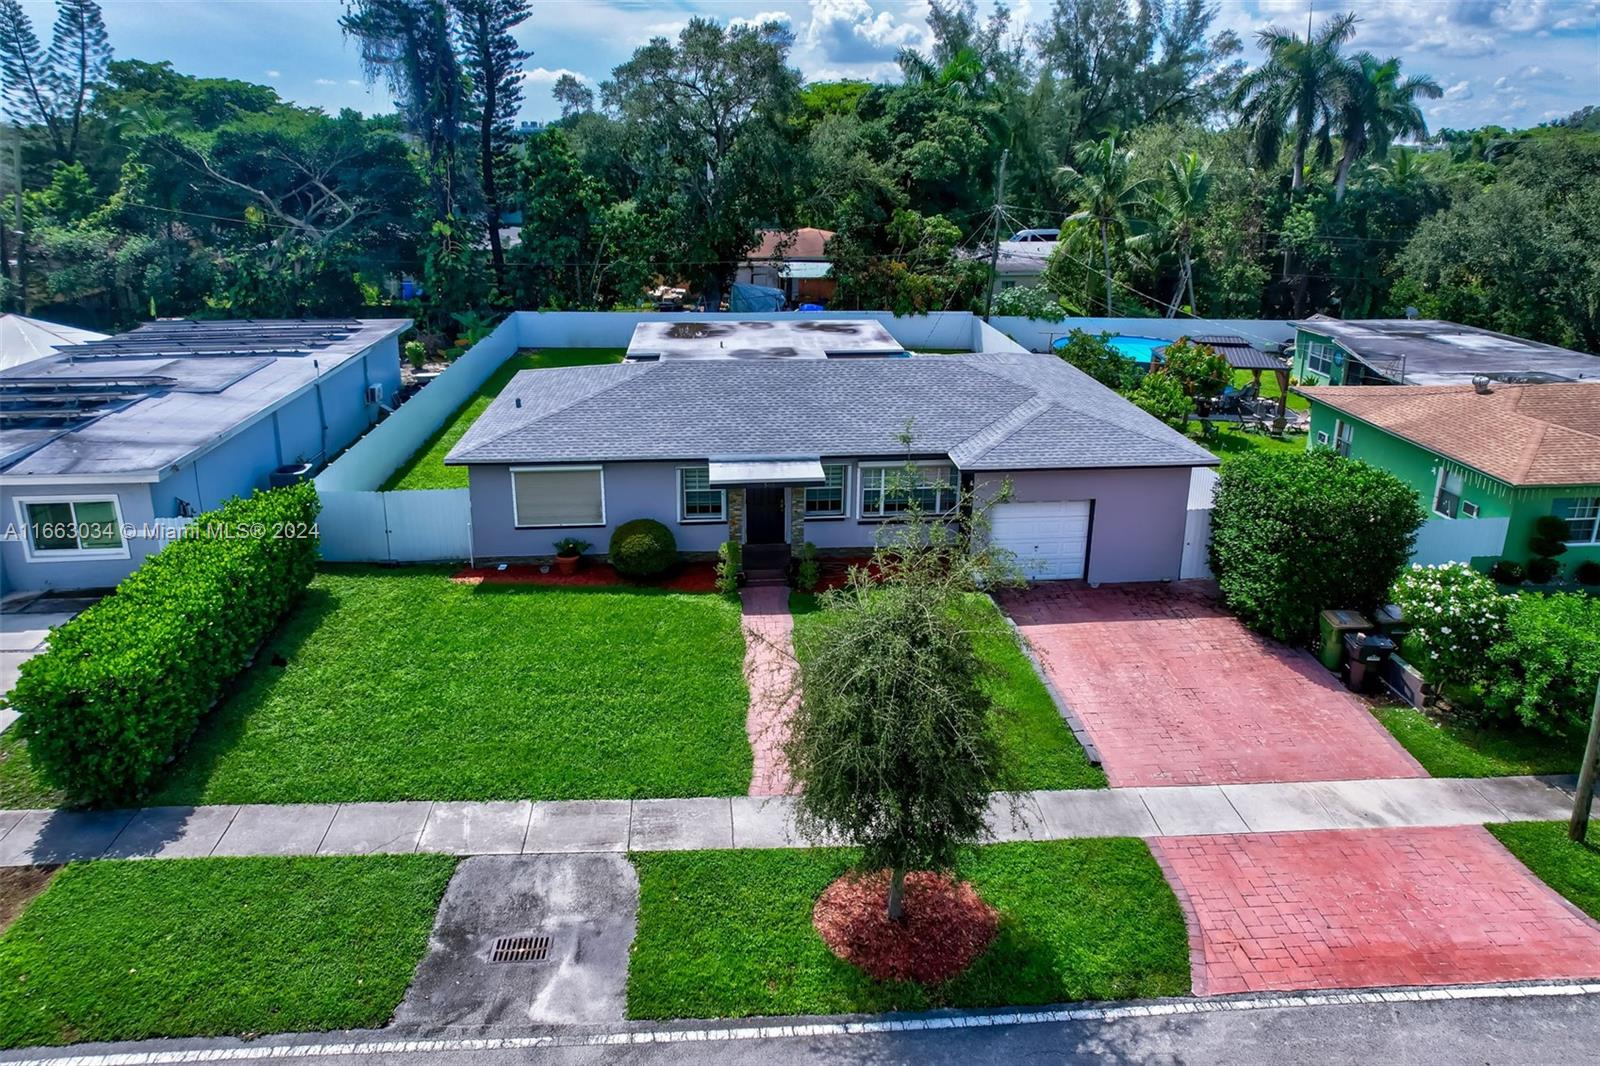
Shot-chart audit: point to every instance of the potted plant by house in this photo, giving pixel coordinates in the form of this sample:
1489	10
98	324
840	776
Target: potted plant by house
569	553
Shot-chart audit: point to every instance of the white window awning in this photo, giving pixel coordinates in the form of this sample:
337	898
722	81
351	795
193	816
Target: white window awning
804	270
753	471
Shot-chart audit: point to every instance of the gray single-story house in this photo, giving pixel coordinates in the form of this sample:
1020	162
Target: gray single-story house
107	446
773	453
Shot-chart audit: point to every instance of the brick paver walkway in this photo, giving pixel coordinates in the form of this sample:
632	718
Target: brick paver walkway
1369	907
769	670
1175	691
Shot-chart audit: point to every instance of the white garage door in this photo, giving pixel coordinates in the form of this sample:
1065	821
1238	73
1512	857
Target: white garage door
1050	540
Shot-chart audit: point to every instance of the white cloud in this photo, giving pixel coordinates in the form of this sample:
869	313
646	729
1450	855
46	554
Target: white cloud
274	74
546	76
1542	75
326	81
1461	90
853	31
761	18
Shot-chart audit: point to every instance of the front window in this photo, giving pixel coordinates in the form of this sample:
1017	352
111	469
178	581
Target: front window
827	500
697	500
1342	437
57	528
1447	501
558	496
1319	357
890	490
1583	518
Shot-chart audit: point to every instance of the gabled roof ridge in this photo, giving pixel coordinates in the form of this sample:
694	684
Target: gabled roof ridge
987	438
1530	451
466	445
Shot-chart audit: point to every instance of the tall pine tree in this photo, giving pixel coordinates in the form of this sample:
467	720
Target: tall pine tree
493	60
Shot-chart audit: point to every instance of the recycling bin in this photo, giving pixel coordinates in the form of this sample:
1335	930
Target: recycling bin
1334	625
1364	657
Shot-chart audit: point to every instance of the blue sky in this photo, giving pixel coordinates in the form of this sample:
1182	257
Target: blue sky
1513	62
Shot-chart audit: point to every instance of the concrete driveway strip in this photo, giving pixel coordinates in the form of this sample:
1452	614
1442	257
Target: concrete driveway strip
578	825
1530	798
765	822
375	828
60	836
1018	819
172	833
497	828
1179	811
1419	803
680	824
266	829
1096	813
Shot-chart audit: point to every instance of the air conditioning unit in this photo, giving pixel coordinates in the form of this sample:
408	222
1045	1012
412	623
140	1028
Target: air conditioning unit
374	393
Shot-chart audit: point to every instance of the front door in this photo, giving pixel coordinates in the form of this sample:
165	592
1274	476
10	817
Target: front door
764	514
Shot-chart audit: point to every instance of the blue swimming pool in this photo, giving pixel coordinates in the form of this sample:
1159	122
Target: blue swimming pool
1138	349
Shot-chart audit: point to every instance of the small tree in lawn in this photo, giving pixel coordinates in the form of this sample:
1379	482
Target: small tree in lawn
1196	367
893	746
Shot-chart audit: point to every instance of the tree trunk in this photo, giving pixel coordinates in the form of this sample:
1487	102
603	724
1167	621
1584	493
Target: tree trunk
5	259
1105	250
1342	174
1297	180
491	195
897	894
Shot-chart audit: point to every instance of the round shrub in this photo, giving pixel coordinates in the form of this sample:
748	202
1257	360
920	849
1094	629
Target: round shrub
643	548
1587	572
1542	569
1508	572
1296	534
1543	671
1455	614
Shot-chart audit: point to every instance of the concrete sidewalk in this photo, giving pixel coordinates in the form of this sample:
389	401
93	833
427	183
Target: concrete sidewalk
523	827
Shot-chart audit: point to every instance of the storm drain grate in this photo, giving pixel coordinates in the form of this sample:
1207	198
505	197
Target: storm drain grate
521	949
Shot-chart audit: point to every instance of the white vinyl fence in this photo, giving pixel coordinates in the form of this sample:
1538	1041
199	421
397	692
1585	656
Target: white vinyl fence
1459	540
1197	524
416	526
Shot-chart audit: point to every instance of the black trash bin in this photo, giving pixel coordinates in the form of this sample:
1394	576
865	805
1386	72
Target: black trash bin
1364	656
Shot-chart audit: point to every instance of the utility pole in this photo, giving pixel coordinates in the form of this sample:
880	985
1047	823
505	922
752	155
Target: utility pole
22	234
994	252
1578	828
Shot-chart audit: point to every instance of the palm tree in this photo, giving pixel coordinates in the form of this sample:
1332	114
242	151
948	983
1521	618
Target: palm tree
1181	201
1402	167
1376	107
1299	85
1103	183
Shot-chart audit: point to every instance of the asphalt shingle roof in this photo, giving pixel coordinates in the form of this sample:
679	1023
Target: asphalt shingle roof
987	412
1520	434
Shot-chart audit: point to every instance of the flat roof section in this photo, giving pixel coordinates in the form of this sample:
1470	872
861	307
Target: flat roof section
810	339
1432	352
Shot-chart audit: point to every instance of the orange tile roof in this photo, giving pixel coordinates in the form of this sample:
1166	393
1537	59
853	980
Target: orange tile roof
1520	434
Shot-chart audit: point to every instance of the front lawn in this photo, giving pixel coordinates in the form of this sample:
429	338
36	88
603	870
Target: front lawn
1040	750
402	684
1453	749
201	947
729	934
1571	868
426	469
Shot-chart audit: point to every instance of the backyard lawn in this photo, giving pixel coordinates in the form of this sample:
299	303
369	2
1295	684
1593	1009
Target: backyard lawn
402	684
426	469
199	947
1227	442
1452	749
1270	390
1040	750
1570	868
729	934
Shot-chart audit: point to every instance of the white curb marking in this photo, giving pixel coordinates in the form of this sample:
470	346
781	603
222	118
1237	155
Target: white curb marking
770	1032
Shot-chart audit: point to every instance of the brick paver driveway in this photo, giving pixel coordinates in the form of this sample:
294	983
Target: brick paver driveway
1175	691
1370	907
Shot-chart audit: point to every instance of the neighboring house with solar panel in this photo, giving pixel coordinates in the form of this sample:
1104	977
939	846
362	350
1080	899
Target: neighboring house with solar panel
105	447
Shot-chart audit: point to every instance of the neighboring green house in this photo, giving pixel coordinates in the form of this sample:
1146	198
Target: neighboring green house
1486	461
1404	351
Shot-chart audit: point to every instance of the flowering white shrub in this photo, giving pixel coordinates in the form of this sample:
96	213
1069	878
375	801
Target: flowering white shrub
1455	613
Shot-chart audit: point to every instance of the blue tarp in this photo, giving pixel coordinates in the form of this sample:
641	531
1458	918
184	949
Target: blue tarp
744	297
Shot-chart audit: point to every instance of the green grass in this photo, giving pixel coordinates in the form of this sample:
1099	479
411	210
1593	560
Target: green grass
1447	749
20	783
729	934
402	684
1227	442
1040	751
200	947
426	469
1269	389
1571	868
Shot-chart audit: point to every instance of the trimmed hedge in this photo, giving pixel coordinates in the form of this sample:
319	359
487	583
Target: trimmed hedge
123	685
1296	534
643	548
1544	669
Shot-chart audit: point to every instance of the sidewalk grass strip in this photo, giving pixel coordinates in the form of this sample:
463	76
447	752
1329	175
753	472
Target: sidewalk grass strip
1040	750
1459	749
204	947
729	934
1571	868
403	684
426	470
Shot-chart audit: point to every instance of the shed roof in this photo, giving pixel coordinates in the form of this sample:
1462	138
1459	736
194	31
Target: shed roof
1240	353
807	242
22	340
1431	352
1523	435
986	412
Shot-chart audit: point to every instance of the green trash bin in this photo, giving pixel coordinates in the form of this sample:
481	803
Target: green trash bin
1334	625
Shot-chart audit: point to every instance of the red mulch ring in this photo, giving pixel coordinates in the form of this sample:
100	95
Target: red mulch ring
689	577
835	572
946	926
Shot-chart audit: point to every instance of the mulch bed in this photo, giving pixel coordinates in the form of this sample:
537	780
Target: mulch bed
18	886
689	577
946	926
